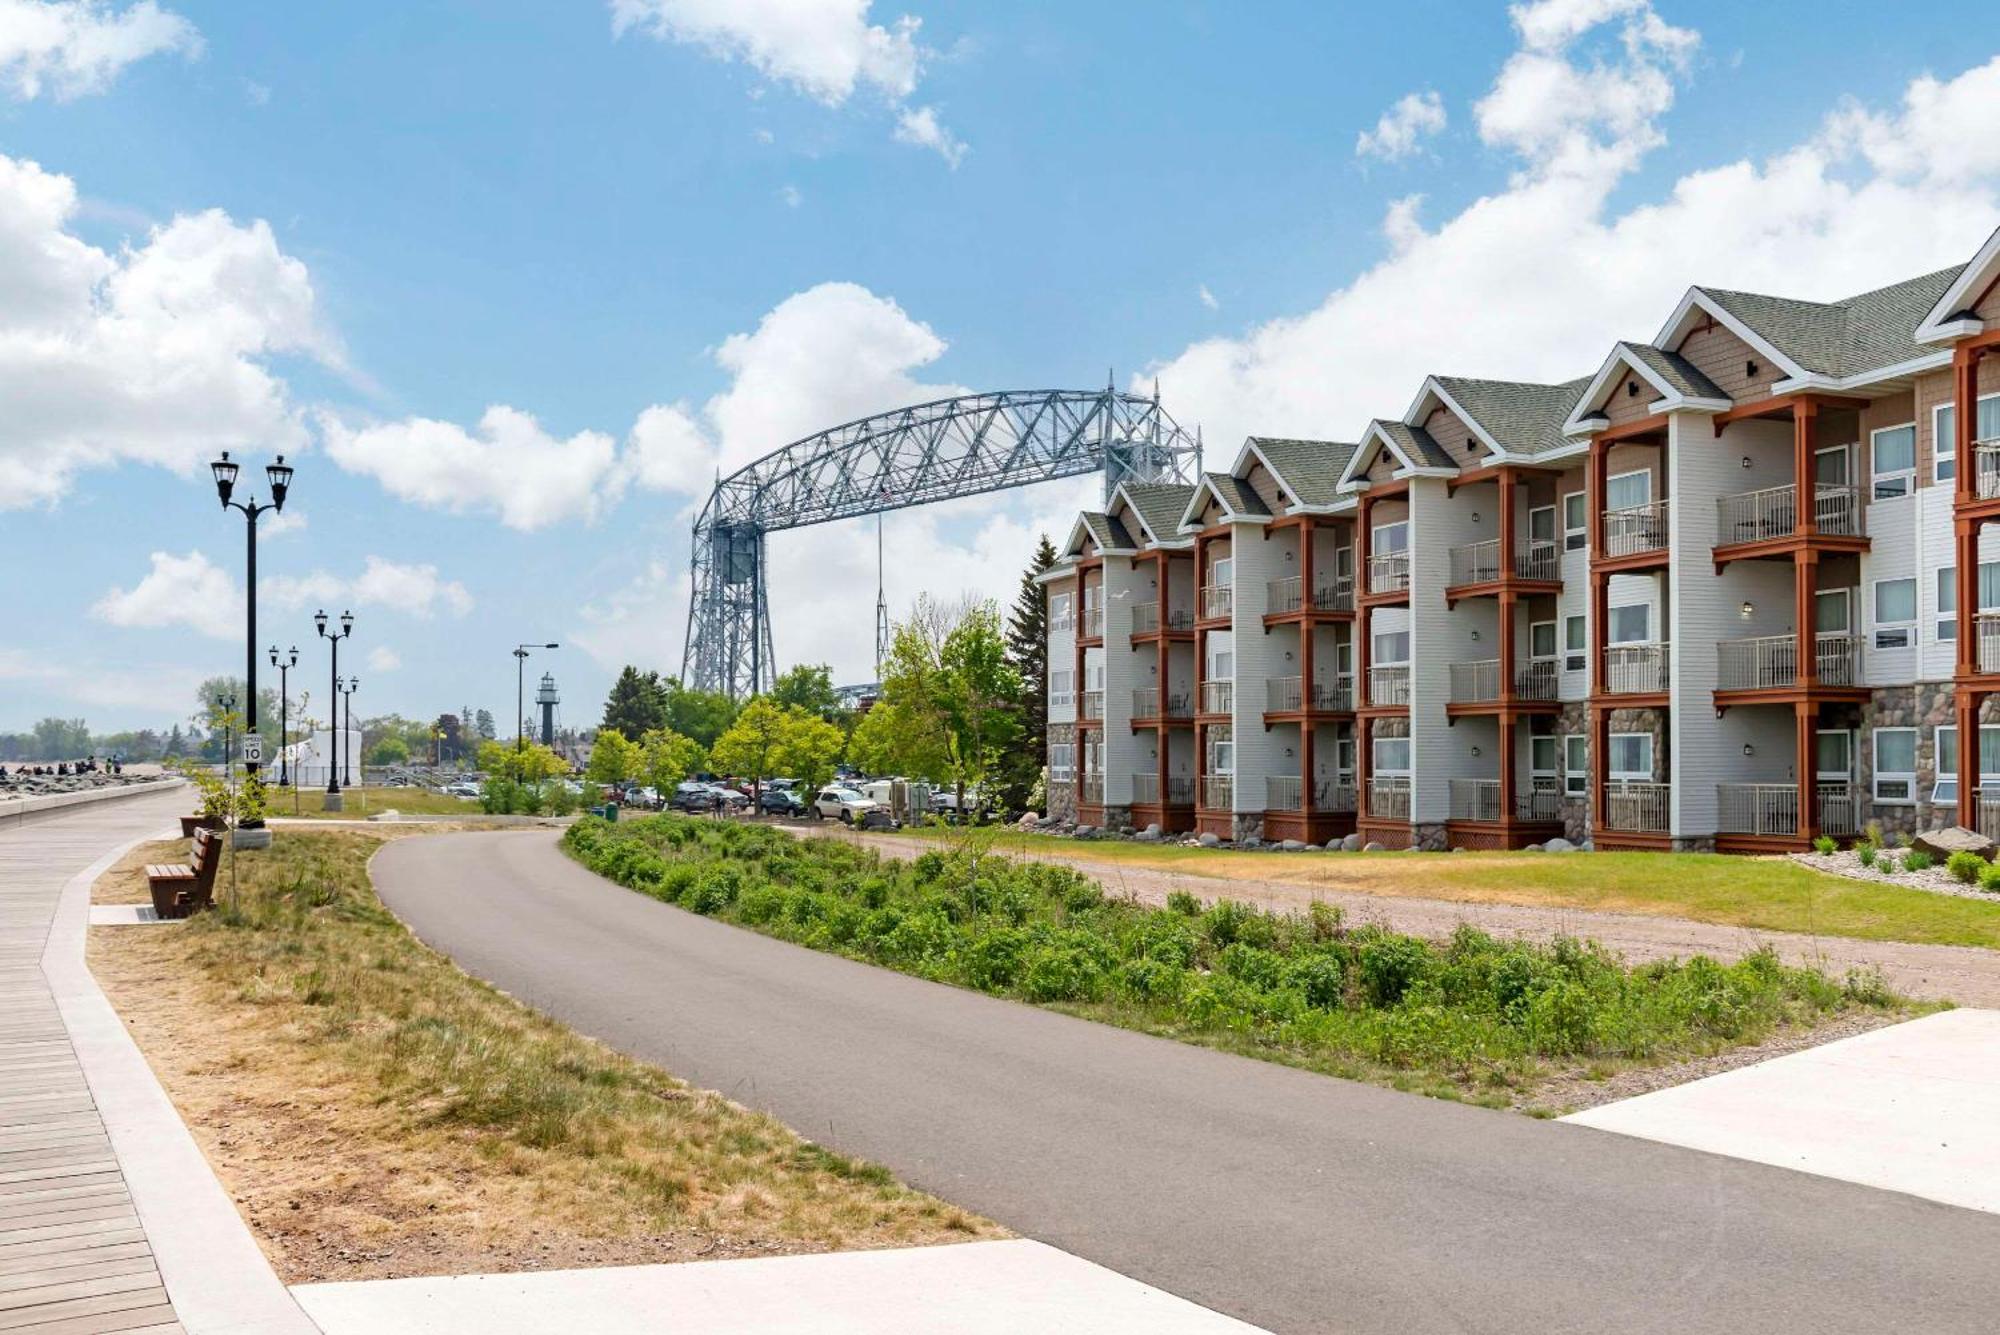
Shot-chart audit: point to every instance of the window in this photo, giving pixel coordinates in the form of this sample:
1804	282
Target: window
1059	611
1630	624
1222	750
1895	612
1576	522
1628	491
1222	572
1542	526
1576	764
1391	648
1221	656
1894	452
1343	757
1062	758
1830	612
1944	430
1895	764
1542	757
1059	686
1392	756
1576	644
1632	755
1947	596
1833	751
1541	639
1389	539
1944	787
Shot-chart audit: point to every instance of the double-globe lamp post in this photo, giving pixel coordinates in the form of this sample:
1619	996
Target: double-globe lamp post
521	652
347	735
332	800
284	667
279	474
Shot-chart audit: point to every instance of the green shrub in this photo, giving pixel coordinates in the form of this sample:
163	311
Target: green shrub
1826	846
1867	851
1061	972
1965	866
1918	860
1181	902
1989	878
1321	978
1261	969
1390	964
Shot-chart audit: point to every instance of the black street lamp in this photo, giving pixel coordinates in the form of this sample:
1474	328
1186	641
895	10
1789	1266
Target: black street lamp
332	800
279	475
520	694
284	667
224	706
347	734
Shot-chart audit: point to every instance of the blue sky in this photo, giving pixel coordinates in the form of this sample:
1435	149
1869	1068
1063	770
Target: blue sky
659	236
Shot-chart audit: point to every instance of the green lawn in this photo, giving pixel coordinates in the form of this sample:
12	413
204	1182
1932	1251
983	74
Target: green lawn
1768	894
364	801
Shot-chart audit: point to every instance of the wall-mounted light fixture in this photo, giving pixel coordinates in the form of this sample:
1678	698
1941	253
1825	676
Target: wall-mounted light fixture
1475	751
1288	753
1749	750
1748	609
1746	461
1475	516
1475	637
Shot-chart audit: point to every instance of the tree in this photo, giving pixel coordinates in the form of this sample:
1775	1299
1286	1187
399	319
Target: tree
61	739
531	765
810	748
1028	651
701	715
665	758
637	704
807	687
215	687
613	759
389	749
483	725
750	745
981	698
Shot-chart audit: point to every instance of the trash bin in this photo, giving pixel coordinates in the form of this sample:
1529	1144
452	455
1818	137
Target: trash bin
609	811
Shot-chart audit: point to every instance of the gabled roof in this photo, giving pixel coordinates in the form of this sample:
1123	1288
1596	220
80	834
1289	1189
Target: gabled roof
1677	383
1824	340
1232	493
1159	506
1308	470
1521	418
1109	534
1679	374
1416	445
1950	316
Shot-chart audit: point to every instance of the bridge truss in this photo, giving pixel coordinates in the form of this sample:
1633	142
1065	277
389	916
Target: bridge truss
912	456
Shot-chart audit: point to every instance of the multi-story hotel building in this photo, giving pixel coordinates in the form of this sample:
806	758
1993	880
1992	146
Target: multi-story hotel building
1732	590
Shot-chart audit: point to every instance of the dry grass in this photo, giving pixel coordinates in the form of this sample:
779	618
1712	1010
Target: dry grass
375	1112
359	803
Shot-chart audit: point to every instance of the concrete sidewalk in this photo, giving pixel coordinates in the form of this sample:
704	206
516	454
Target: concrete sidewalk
1913	1108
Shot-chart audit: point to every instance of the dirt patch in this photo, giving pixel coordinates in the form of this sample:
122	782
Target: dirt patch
341	1178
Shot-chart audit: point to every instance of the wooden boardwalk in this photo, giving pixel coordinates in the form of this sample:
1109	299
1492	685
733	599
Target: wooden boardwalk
73	1257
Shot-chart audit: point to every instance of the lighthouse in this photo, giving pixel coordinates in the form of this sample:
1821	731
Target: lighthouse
546	700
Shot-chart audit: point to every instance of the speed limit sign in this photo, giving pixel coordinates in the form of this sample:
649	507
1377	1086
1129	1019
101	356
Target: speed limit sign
253	749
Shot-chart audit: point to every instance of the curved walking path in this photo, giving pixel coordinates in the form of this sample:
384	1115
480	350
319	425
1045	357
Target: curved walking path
1287	1199
1964	974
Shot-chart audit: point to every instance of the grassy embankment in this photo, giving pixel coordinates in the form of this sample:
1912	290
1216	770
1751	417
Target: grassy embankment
1473	1018
375	1111
361	802
1763	893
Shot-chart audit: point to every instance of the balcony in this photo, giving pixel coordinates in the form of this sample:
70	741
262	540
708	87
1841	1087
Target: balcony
1480	562
1149	702
1286	695
1389	797
1633	806
1839	808
1479	800
1757	516
1334	795
1757	808
1986	469
1479	682
1090	705
1389	572
1218	697
1637	668
1218	602
1090	625
1986	640
1287	595
1389	687
1284	792
1090	790
1179	790
1146	618
1218	792
1636	530
1771	662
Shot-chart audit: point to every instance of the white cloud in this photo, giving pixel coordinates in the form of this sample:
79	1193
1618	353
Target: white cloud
70	48
1403	127
825	49
415	590
282	524
508	466
1207	298
1537	280
149	694
157	354
384	659
789	196
187	591
920	128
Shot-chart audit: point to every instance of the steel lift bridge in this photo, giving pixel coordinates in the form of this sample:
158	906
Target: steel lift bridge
912	456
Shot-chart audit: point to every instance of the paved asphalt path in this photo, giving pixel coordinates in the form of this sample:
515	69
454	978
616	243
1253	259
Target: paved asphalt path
1291	1200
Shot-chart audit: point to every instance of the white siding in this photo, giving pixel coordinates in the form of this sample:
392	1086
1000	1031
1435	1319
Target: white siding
1258	657
1440	637
1062	656
1122	588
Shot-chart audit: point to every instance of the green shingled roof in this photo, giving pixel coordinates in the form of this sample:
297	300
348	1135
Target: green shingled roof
1683	376
1160	506
1236	494
1108	532
1524	418
1417	445
1310	469
1842	338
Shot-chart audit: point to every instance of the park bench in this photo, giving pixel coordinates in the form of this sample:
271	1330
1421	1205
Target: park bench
178	890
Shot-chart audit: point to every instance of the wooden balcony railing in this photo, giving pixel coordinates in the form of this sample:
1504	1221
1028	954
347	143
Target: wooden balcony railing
1334	795
1479	562
1150	702
1636	529
1179	789
1637	668
1389	686
1773	512
1285	695
1146	618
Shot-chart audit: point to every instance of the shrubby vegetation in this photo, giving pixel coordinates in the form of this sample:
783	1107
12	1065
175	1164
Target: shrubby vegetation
1475	1016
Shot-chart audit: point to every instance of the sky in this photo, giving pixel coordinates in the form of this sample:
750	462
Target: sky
509	282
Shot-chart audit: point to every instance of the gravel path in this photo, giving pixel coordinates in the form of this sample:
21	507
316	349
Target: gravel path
1964	974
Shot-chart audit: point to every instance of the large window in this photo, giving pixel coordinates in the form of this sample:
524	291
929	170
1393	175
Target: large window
1894	454
1542	528
1895	613
1944	787
1576	764
1576	522
1059	618
1541	639
1391	648
1576	644
1944	432
1947	595
1630	624
1388	539
1542	757
1627	491
1391	756
1222	572
1221	656
1632	755
1222	749
1062	759
1833	755
1895	764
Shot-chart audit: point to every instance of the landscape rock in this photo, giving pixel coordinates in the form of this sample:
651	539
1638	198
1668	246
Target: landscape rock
1534	848
1084	831
1149	835
1208	839
1153	830
1941	844
1336	845
1371	846
1559	845
1293	846
1351	844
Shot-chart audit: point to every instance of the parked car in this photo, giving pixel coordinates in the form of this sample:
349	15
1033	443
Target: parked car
781	802
463	788
692	796
842	804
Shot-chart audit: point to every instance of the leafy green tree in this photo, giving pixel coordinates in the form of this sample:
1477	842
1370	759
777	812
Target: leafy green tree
702	715
811	747
390	749
61	739
665	758
808	687
612	758
981	698
751	744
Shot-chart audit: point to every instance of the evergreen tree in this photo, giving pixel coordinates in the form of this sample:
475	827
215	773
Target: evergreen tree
1028	651
636	705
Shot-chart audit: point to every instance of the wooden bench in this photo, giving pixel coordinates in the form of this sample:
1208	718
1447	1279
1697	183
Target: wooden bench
179	890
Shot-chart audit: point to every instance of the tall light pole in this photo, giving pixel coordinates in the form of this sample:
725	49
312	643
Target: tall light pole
279	475
347	735
332	800
521	652
284	667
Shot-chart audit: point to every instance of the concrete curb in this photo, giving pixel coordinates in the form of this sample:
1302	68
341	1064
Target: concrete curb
216	1276
20	811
